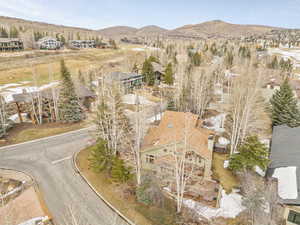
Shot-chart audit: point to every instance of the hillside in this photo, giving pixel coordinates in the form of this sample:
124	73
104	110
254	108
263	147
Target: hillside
151	30
118	31
219	29
121	31
26	25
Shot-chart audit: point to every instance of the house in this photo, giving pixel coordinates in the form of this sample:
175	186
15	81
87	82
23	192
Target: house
49	43
129	80
11	44
178	132
285	168
82	43
23	101
158	71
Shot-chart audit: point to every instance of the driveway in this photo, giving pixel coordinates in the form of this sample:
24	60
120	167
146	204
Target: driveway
49	161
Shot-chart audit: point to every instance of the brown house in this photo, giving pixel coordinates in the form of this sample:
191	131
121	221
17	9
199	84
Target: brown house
179	132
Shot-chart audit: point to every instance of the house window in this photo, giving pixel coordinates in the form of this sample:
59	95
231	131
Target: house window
150	159
294	217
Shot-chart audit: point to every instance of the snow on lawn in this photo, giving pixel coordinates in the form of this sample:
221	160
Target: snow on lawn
217	122
230	206
286	54
155	118
130	99
287	182
138	49
9	92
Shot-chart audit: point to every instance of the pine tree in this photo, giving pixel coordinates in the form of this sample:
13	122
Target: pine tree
119	171
274	64
284	107
81	77
148	73
135	68
196	59
168	76
250	154
101	157
3	33
68	104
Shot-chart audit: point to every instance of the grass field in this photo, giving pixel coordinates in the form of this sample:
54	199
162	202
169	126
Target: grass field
18	68
227	179
27	131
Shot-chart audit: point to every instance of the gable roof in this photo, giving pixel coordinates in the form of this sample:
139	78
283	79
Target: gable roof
285	152
120	76
172	128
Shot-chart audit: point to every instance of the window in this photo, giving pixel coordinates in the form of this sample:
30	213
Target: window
294	217
150	159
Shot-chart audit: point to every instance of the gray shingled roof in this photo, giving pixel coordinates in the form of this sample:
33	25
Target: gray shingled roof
285	151
80	90
120	76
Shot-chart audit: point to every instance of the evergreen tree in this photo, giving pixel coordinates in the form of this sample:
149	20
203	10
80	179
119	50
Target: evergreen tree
228	60
196	59
62	39
168	76
250	154
148	73
284	107
13	32
101	157
3	33
135	68
113	44
274	64
119	171
81	77
68	103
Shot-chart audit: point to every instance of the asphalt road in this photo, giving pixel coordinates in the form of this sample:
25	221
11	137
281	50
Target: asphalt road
49	161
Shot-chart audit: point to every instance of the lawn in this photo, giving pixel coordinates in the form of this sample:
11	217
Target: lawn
27	131
227	179
111	192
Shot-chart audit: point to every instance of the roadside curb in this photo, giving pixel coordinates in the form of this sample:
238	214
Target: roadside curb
97	193
46	138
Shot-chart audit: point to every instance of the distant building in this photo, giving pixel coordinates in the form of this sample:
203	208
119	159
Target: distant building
11	44
49	43
129	80
82	43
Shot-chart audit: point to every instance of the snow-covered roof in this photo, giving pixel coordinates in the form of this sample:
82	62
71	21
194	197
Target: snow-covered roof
287	182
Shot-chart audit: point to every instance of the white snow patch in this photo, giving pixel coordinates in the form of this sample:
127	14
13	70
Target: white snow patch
130	99
223	141
155	118
15	117
230	206
226	164
259	171
287	182
34	221
138	49
217	122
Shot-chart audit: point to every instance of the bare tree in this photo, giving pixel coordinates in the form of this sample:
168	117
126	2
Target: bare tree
247	112
112	124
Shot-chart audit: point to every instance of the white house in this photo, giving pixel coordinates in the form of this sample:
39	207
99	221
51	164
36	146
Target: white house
49	43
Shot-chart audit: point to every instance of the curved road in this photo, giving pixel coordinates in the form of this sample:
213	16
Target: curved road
49	161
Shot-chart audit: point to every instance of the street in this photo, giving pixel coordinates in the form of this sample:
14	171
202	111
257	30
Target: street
49	161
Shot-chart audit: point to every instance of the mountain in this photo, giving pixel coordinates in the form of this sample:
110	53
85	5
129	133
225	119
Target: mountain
151	30
121	31
50	29
219	29
117	31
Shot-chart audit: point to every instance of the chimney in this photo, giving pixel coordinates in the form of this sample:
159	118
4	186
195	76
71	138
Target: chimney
210	142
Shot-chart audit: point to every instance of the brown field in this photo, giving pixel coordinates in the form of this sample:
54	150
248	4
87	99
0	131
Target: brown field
18	67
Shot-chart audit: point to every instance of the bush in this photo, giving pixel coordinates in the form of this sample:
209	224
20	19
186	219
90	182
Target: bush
119	171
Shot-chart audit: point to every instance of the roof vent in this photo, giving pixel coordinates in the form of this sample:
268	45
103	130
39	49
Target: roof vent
170	125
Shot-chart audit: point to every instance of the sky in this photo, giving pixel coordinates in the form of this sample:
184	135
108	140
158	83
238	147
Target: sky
97	14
